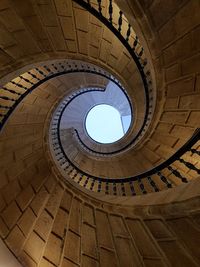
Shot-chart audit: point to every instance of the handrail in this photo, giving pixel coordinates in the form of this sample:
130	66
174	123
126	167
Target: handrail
44	73
176	156
136	56
40	75
70	167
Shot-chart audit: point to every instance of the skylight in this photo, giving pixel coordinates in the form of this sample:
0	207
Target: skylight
105	125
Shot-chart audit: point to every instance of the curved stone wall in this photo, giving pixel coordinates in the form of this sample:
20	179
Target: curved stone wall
45	222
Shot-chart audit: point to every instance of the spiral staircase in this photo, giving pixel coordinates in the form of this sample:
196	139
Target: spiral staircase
65	199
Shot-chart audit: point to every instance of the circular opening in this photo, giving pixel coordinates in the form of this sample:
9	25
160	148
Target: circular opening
105	124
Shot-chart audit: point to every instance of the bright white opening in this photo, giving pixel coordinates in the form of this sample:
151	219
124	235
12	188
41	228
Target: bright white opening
104	124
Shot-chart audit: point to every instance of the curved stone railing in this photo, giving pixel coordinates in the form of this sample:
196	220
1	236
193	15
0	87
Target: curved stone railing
21	86
13	92
124	186
106	12
106	152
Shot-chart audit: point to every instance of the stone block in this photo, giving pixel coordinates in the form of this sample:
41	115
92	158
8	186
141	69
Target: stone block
24	9
75	216
4	58
38	181
48	14
36	27
45	263
95	35
30	46
67	263
25	197
35	156
54	200
175	254
88	215
68	28
72	247
10	19
71	46
93	51
26	260
165	37
178	50
197	84
184	20
53	249
29	109
164	127
112	61
187	233
60	223
6	38
193	119
118	226
4	184
158	228
104	235
174	117
126	253
150	156
105	50
3	229
141	236
89	243
57	38
190	102
11	214
181	87
108	258
64	7
82	42
171	103
165	139
50	183
154	263
107	36
39	201
34	247
123	62
17	119
160	13
81	19
88	262
15	240
182	132
44	224
66	201
27	221
23	152
191	64
5	161
2	203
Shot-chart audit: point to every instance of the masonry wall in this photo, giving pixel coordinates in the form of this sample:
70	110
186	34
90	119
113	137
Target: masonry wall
171	34
47	224
177	83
